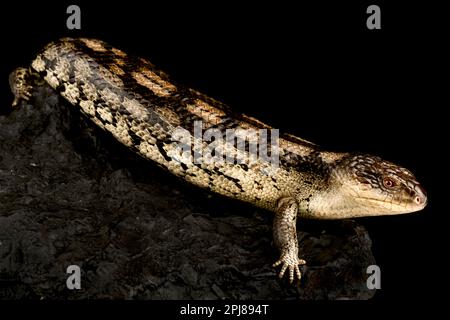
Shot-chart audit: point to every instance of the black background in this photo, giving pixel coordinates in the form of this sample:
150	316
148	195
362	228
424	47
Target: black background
313	70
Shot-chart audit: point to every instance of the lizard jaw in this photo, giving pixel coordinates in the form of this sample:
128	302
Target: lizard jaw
339	205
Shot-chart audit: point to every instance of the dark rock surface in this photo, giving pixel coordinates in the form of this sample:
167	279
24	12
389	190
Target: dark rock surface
70	194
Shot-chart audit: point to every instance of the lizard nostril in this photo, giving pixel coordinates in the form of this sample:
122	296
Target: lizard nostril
421	195
417	200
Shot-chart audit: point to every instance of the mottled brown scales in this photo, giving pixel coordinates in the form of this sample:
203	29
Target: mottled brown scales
118	53
151	82
91	43
143	109
169	114
209	115
115	68
119	61
248	122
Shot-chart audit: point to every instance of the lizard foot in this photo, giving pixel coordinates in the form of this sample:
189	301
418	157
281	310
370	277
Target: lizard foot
290	262
20	85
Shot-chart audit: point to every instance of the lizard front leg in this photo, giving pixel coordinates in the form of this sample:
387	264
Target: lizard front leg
285	238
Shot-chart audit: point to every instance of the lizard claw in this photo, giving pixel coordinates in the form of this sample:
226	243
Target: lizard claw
290	262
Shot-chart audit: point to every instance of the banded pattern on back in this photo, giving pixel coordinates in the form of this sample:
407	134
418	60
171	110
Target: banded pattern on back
142	107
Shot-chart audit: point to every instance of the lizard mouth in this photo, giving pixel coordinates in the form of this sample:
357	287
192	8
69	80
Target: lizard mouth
390	206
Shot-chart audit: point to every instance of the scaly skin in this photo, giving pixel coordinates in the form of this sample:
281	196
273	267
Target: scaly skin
149	113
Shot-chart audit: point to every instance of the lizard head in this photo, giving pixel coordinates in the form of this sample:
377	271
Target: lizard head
366	185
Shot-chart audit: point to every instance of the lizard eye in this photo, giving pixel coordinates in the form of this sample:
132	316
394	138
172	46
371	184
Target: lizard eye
389	183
